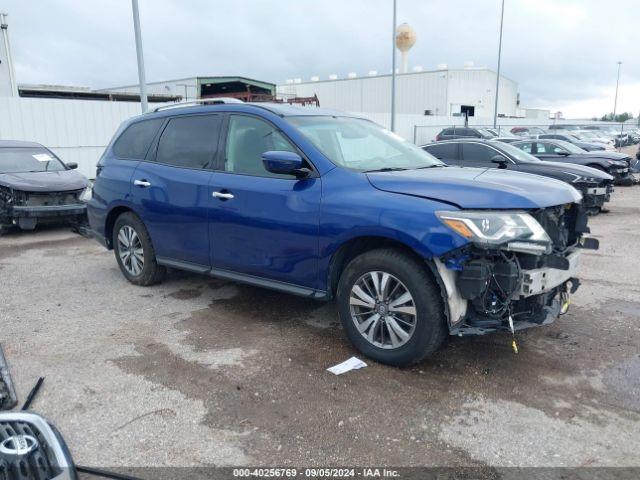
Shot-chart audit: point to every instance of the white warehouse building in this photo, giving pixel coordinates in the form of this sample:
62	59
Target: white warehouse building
442	92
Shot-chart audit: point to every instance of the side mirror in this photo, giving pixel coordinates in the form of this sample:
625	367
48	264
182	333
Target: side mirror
500	160
71	165
563	153
285	163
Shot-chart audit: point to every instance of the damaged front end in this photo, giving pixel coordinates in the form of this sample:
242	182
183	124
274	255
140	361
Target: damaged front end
27	209
517	271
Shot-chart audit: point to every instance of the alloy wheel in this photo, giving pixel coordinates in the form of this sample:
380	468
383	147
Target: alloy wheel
383	310
130	250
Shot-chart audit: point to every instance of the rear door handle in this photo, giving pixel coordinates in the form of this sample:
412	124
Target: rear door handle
142	183
223	195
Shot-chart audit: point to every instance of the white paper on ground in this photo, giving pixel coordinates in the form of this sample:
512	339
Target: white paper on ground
352	364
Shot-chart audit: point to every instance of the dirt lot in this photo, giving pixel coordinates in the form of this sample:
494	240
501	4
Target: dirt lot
198	372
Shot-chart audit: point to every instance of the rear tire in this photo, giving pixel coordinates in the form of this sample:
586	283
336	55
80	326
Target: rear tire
411	323
134	251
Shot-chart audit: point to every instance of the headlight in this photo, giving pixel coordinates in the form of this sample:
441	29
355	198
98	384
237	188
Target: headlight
86	194
583	179
496	228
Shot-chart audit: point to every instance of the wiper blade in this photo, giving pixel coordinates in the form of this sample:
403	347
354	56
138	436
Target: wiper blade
435	165
386	169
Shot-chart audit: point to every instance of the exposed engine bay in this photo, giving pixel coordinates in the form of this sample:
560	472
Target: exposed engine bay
516	284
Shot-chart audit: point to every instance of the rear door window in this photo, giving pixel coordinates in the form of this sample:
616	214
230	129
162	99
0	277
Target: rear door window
189	141
443	151
476	153
135	141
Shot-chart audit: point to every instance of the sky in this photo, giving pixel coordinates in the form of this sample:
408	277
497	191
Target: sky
562	53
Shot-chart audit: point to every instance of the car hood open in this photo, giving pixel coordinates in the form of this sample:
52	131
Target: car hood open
44	181
475	188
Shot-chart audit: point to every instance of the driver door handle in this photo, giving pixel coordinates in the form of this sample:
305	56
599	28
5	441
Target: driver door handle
142	183
223	195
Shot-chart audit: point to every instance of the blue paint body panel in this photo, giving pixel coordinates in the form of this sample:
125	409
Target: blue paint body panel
288	230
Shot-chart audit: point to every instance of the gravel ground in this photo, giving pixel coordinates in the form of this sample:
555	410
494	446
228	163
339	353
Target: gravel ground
200	372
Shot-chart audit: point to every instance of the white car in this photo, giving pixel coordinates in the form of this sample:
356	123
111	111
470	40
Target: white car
593	136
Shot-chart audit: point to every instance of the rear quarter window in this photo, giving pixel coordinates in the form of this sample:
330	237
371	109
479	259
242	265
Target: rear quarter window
135	141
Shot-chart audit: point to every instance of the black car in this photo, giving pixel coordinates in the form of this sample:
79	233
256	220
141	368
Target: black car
36	187
596	186
614	163
463	132
589	147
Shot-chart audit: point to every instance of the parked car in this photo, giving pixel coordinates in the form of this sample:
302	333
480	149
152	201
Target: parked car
595	185
463	132
527	131
37	187
621	139
325	205
634	135
567	137
613	163
564	127
503	135
593	136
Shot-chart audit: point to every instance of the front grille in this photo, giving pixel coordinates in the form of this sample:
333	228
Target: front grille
37	199
40	463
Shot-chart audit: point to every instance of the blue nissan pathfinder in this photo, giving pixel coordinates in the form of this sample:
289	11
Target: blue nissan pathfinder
327	205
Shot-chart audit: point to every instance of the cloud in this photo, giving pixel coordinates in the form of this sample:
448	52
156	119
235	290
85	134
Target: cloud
562	53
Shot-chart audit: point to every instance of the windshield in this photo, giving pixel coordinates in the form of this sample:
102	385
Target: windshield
362	145
570	147
22	160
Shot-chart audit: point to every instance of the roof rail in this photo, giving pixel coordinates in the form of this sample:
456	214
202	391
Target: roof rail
202	101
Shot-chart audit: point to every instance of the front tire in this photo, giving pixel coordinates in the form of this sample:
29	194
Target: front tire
134	251
391	307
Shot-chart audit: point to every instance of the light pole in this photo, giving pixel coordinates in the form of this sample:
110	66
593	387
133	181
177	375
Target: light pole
5	35
495	107
393	70
615	101
141	75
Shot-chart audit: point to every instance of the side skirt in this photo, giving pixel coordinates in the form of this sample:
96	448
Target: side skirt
244	278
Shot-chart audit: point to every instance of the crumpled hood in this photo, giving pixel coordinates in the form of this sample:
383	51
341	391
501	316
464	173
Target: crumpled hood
576	169
472	188
44	181
606	155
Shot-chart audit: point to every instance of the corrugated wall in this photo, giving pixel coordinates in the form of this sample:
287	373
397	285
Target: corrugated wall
442	92
76	130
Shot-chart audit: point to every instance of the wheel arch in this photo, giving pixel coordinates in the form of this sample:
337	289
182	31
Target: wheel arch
356	246
110	221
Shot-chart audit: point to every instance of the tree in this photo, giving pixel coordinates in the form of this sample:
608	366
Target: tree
620	118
